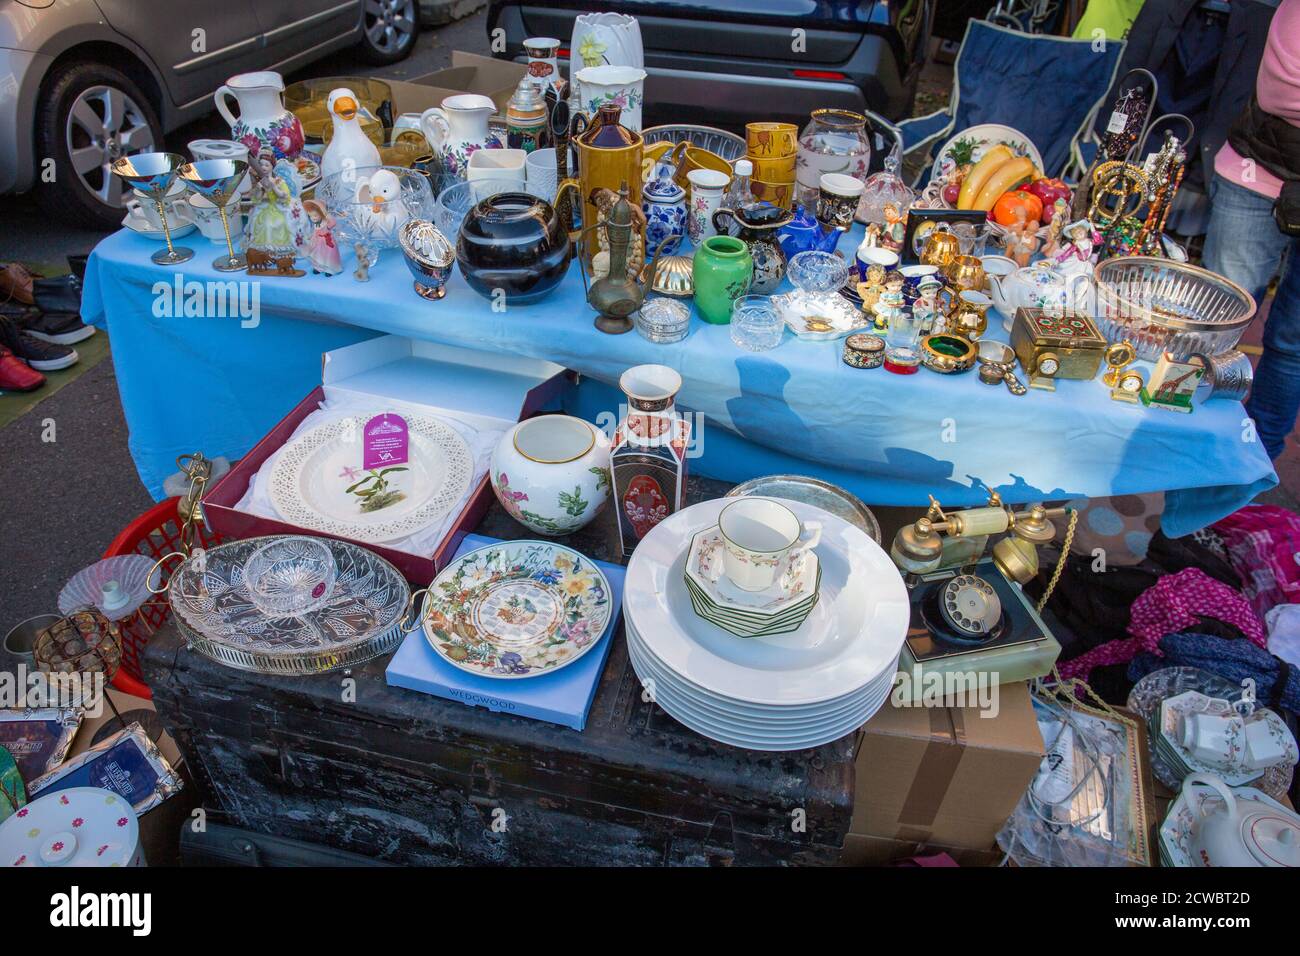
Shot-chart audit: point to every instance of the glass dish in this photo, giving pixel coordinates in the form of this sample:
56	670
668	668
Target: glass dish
817	273
367	224
455	201
663	320
1165	306
756	325
290	576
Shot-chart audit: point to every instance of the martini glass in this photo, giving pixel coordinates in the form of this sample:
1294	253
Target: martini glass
153	174
217	180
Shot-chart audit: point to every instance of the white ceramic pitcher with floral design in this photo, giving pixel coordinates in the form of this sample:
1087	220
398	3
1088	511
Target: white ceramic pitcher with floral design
459	128
263	124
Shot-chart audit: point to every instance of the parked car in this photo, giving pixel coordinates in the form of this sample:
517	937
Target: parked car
725	62
86	81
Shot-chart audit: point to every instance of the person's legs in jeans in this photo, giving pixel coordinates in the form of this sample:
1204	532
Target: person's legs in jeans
1243	244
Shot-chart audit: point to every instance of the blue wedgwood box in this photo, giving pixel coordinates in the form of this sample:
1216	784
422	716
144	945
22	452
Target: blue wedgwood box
563	697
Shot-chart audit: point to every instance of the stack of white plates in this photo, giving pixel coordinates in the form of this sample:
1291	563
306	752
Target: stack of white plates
781	692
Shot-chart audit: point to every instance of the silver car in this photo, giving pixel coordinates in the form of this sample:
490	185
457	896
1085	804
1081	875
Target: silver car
85	81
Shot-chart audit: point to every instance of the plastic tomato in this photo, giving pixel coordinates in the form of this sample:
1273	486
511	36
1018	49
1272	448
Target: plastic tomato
1005	209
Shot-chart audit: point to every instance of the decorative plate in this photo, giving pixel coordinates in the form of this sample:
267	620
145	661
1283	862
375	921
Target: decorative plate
969	146
362	619
517	609
796	579
83	826
740	626
314	481
819	318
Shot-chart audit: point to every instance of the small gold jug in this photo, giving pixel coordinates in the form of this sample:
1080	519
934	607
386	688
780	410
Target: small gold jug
940	247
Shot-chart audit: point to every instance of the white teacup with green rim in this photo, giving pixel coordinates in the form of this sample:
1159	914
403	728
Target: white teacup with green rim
758	536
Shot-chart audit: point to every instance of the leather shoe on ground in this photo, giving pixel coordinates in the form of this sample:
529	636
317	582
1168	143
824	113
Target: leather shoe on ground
16	376
16	283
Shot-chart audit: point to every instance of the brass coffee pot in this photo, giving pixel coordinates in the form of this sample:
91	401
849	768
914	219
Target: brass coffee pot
616	295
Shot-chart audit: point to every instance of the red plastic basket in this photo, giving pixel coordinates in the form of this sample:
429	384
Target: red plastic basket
153	534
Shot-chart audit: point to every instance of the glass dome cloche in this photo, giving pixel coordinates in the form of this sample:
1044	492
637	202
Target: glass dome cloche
882	189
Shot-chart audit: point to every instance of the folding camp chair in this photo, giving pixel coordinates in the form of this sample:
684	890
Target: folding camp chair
1048	87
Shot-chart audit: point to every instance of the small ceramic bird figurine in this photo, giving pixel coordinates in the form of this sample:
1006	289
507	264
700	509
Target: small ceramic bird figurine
383	191
349	147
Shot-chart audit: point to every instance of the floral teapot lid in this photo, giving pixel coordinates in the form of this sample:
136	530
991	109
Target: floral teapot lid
1240	832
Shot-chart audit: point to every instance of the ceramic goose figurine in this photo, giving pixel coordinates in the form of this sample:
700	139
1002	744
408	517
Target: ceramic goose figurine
349	146
383	191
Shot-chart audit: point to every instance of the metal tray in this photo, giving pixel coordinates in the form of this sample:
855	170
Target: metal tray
362	619
813	491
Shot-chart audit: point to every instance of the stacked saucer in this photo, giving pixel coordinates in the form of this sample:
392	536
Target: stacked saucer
780	608
773	691
1165	724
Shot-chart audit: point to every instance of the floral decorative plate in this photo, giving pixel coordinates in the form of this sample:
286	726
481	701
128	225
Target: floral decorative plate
970	144
517	609
317	481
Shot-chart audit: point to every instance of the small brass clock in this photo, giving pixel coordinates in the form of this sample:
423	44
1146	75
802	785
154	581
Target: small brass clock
1117	356
1128	387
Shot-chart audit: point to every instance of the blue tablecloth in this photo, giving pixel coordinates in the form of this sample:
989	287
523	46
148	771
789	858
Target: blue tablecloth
217	384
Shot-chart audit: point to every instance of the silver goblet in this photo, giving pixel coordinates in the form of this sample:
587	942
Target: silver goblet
153	175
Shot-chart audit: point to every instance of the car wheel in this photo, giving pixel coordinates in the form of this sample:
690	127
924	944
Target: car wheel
88	116
388	29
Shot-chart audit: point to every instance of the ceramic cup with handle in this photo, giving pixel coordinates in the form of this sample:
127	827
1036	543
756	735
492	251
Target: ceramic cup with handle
758	536
144	209
1268	742
1212	736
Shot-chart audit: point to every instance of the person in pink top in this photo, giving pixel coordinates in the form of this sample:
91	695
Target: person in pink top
1244	241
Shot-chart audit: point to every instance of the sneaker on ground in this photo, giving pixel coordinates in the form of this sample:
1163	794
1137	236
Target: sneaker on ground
62	328
16	375
42	356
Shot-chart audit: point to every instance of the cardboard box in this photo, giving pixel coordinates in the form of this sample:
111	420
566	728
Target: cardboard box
945	775
862	850
468	73
482	389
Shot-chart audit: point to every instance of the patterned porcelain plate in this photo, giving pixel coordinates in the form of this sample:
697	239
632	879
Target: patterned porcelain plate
796	578
517	609
972	143
1193	702
313	472
1176	830
784	624
362	618
797	610
819	318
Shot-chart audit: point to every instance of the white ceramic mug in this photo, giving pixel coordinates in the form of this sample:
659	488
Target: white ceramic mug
1264	747
505	165
707	186
1212	736
758	536
143	207
208	218
539	173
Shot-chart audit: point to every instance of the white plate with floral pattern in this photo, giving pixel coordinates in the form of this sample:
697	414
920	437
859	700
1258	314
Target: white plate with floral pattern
516	609
317	481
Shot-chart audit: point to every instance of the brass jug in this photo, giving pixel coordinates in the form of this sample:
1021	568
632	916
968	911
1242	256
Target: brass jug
940	246
616	295
609	157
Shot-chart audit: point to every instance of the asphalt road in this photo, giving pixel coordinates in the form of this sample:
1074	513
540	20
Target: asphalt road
62	502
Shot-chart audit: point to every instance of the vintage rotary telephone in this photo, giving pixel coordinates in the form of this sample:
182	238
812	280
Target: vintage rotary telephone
968	609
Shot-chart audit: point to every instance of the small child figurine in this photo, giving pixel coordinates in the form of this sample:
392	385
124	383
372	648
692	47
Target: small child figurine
322	250
1052	244
1022	239
895	228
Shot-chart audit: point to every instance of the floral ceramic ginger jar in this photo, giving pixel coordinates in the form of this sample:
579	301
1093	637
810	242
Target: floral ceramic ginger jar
551	473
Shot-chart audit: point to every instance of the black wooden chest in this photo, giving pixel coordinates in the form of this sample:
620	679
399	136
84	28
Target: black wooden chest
409	778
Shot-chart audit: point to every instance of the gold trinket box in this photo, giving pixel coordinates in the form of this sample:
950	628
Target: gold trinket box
1051	346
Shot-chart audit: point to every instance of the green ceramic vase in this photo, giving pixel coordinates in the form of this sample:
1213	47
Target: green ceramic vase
722	272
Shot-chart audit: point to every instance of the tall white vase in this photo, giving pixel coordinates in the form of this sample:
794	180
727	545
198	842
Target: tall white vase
600	39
